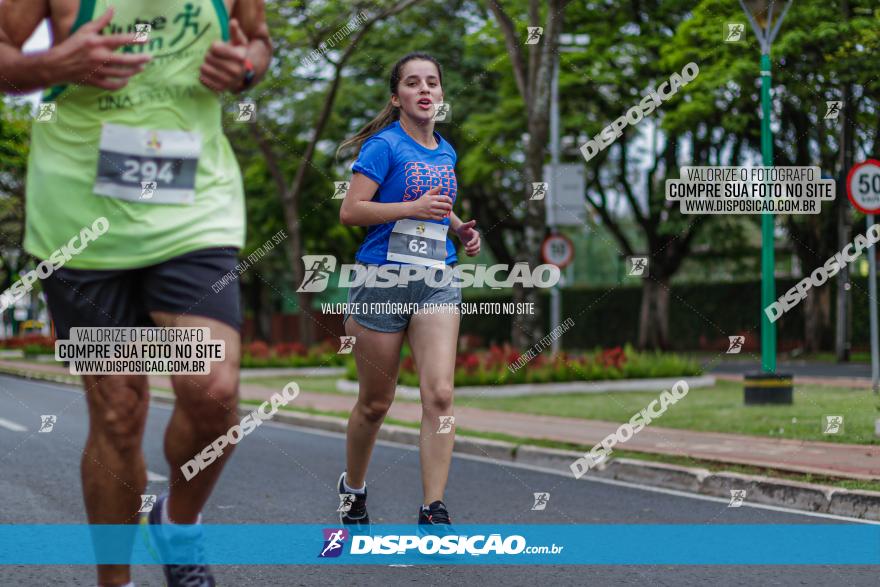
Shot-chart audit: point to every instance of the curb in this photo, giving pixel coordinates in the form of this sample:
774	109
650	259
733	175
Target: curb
809	497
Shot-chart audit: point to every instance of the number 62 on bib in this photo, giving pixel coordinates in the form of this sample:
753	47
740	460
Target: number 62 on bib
418	242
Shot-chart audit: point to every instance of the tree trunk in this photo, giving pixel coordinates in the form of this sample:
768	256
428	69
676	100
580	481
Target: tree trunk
253	294
817	319
260	302
533	76
846	121
263	315
654	315
528	328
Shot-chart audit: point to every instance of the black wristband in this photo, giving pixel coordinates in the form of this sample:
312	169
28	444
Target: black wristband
249	75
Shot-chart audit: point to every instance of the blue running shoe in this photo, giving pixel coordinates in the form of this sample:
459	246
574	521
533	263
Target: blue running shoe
176	542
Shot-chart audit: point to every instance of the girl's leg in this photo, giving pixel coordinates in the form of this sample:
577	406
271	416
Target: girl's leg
433	338
377	355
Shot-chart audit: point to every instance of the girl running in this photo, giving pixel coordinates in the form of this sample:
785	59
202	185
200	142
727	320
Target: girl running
403	188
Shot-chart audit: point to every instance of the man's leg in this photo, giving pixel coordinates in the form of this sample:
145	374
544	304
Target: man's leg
113	472
206	408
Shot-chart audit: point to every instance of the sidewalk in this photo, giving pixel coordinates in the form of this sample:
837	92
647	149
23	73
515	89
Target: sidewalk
823	458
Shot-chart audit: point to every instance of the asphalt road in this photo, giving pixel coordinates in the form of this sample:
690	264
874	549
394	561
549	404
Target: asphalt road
797	368
281	474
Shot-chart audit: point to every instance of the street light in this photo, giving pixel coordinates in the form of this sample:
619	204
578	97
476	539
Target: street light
769	386
760	14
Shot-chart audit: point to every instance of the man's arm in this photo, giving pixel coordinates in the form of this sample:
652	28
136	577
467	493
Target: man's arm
21	73
251	15
226	64
86	57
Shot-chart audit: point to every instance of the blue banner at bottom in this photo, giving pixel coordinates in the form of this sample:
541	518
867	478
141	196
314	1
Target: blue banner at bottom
616	544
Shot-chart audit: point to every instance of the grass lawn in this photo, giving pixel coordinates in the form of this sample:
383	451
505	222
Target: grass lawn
713	409
317	384
717	409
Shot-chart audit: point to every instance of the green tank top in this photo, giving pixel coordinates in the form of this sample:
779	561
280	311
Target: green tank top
151	157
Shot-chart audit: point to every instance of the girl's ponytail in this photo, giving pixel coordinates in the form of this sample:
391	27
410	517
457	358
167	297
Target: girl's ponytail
388	115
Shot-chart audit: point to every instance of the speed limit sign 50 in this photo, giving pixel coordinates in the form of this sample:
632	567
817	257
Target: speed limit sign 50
863	186
557	250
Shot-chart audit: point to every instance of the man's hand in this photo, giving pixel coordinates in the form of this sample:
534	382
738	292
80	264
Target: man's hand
88	58
470	237
224	65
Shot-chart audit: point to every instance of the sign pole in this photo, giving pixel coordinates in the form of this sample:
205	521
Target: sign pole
863	191
563	183
558	250
872	303
555	296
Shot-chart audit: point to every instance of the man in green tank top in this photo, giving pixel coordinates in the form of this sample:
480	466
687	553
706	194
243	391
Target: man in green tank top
129	139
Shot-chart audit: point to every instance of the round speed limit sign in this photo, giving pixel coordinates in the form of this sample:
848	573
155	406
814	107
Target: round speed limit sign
863	186
557	250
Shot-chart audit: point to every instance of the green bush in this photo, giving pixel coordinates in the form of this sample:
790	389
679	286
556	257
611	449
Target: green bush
31	350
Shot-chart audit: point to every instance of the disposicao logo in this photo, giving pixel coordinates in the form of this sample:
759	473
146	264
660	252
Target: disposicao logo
334	541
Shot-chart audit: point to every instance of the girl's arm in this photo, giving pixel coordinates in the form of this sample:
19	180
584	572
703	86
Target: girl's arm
454	222
469	236
358	210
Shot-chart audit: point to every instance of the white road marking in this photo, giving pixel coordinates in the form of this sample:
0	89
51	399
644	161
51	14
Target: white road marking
10	425
338	435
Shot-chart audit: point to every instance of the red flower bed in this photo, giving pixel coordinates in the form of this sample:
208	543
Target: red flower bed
287	349
257	349
613	357
500	364
291	354
23	341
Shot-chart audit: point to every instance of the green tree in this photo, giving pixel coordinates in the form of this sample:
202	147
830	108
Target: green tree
302	32
532	66
823	53
14	130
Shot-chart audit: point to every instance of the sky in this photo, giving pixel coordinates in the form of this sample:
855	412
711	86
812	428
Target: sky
39	41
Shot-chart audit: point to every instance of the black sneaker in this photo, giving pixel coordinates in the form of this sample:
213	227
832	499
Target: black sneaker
189	541
357	515
435	514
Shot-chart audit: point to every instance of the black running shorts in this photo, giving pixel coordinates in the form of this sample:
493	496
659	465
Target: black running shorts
125	297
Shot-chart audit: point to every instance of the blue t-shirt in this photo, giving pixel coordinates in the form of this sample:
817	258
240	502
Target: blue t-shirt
404	170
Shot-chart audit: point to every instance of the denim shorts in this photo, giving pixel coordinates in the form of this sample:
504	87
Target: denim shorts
389	309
